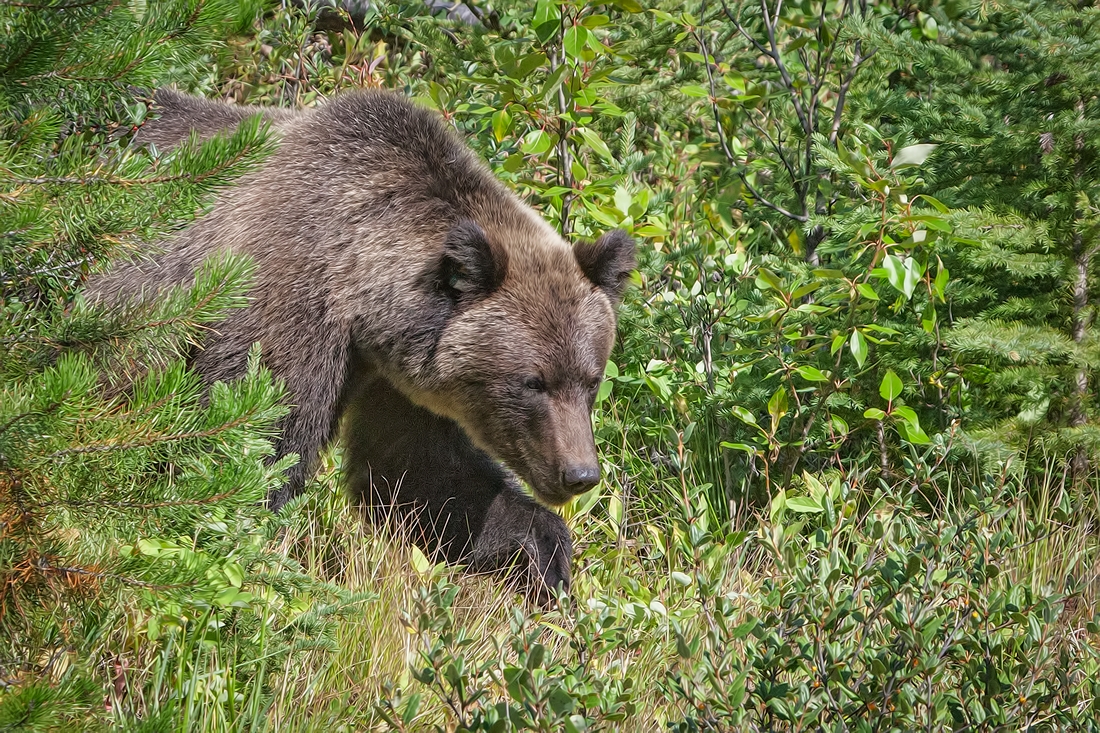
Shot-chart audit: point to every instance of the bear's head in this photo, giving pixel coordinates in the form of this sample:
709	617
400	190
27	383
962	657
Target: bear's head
520	360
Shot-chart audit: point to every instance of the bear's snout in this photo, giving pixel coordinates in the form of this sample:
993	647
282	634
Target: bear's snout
580	478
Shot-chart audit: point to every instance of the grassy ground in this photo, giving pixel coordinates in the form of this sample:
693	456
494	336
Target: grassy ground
632	603
376	646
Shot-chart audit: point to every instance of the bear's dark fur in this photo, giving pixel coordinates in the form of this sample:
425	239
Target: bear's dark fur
400	282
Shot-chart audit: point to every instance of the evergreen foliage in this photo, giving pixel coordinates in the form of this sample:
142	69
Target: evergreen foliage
128	497
1014	107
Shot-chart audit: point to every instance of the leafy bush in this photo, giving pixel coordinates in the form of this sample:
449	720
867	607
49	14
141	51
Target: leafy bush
893	620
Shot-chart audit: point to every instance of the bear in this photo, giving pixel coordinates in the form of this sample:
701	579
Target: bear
404	293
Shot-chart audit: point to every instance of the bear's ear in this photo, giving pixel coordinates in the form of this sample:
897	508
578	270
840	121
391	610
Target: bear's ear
607	262
471	266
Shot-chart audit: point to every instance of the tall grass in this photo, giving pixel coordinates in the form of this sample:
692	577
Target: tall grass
639	591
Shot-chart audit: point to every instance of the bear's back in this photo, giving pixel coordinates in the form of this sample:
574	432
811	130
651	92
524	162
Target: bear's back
394	146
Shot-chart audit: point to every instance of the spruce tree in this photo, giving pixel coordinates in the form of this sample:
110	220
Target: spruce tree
1011	96
130	499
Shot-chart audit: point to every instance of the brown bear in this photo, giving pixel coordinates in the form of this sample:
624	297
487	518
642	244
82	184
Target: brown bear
399	283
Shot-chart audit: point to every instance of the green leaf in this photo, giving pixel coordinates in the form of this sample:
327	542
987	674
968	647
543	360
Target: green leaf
906	413
838	343
928	321
595	143
895	272
902	274
536	142
681	578
234	573
890	387
817	489
226	597
694	90
880	329
874	413
867	291
804	290
739	446
913	272
777	405
936	203
812	374
744	629
803	505
502	123
547	20
769	280
513	163
576	38
606	386
420	562
913	434
858	345
743	415
912	155
929	27
682	648
595	21
622	200
940	283
553	82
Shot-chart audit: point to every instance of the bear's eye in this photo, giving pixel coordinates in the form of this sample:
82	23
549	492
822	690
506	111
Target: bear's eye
593	384
460	282
535	384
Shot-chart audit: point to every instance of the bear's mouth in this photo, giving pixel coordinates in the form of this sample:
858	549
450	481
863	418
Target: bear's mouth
554	495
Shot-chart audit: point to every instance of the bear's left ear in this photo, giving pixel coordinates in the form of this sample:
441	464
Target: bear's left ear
607	262
471	267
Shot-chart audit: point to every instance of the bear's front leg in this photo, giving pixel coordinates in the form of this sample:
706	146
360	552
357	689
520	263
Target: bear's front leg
463	506
519	532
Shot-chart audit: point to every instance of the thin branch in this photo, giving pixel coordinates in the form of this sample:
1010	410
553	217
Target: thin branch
770	22
842	94
725	145
741	29
777	146
45	567
156	504
774	207
152	440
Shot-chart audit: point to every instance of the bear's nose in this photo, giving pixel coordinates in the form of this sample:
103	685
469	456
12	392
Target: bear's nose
579	479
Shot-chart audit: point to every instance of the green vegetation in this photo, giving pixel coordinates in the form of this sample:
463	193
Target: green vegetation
850	429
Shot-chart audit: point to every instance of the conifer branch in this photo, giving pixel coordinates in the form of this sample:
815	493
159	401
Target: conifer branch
155	439
50	6
216	170
24	415
46	568
156	504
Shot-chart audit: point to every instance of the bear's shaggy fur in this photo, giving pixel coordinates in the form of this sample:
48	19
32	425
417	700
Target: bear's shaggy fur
399	282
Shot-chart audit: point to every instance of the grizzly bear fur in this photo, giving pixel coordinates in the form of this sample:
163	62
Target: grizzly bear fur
399	283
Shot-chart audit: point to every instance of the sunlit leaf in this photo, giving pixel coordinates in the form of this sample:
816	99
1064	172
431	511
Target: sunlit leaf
858	345
890	387
912	155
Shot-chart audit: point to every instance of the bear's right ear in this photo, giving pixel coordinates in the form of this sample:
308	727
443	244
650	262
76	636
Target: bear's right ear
607	262
471	266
